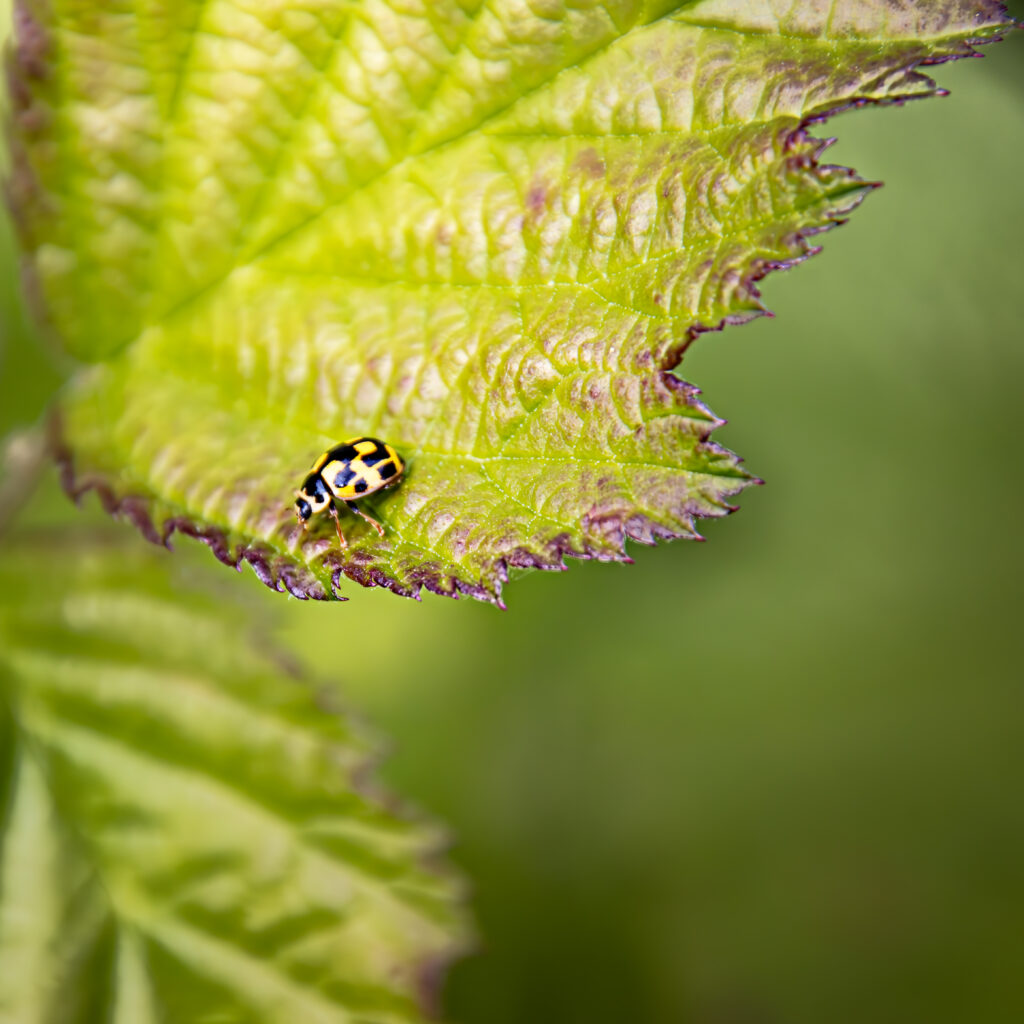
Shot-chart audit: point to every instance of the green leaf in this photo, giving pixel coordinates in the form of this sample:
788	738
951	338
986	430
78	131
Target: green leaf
188	830
483	232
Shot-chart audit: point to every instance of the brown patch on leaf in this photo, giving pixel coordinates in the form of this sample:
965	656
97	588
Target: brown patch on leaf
32	43
537	198
591	163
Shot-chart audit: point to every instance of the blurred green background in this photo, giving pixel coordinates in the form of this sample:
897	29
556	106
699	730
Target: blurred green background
775	777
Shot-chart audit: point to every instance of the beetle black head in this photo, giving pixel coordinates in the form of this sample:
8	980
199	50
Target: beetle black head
302	510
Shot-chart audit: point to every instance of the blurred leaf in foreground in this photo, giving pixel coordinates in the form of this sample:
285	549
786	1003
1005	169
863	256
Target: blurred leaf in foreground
187	833
484	233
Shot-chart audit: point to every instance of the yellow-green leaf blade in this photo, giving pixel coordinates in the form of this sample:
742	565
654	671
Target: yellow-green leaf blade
485	233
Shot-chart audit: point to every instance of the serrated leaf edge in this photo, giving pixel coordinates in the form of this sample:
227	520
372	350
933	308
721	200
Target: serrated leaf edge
371	750
283	572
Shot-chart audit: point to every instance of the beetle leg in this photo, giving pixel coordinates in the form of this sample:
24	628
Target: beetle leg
337	525
353	507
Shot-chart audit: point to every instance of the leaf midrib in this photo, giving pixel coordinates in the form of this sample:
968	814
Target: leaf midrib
396	167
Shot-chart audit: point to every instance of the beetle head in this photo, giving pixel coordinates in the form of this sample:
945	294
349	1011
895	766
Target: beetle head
303	509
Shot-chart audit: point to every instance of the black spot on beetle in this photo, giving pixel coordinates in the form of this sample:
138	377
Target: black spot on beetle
345	477
374	457
343	453
387	471
360	487
316	488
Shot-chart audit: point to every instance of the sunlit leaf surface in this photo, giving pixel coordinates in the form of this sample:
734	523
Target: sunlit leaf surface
188	829
483	232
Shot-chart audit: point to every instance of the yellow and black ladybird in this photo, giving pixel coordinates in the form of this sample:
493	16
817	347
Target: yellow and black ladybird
348	472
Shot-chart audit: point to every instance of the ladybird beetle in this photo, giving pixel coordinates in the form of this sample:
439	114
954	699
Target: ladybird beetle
348	472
